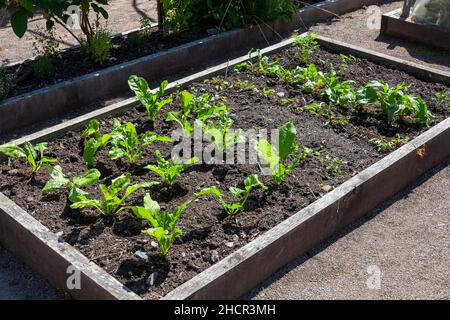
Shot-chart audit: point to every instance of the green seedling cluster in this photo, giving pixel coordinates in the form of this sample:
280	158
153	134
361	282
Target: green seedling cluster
34	155
239	196
164	224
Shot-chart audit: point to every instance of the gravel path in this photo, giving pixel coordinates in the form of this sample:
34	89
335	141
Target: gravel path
124	16
352	28
18	282
407	240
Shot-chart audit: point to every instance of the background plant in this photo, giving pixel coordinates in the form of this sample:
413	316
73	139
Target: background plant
34	155
239	196
307	45
223	14
164	224
95	140
46	49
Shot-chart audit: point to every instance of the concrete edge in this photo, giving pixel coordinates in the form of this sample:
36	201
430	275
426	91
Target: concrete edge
56	100
27	238
392	24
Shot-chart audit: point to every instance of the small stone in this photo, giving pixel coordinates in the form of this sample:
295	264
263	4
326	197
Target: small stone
183	255
326	187
13	172
281	94
152	279
215	256
154	244
235	238
229	244
141	255
30	199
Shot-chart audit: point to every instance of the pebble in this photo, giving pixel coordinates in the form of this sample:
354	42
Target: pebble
229	244
152	279
235	238
215	256
154	244
141	255
281	94
30	199
13	172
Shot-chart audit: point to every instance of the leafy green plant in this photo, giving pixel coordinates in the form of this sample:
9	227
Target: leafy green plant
95	141
387	145
395	102
5	81
307	45
112	202
344	62
59	180
239	196
276	156
333	164
244	85
223	14
98	46
46	49
150	100
169	170
55	12
186	100
442	99
164	224
33	154
125	141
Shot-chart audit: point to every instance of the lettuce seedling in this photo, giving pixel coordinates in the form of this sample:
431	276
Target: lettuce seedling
126	143
59	180
169	170
239	196
96	141
186	100
164	224
276	156
395	102
306	46
33	154
111	204
150	100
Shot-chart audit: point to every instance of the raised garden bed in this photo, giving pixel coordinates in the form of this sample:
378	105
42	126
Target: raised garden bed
256	102
392	24
70	89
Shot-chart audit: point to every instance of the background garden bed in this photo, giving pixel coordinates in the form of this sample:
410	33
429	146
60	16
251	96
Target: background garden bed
210	230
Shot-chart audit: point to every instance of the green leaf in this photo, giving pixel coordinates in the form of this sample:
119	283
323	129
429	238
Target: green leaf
211	190
19	22
88	178
12	151
253	181
58	179
119	183
287	140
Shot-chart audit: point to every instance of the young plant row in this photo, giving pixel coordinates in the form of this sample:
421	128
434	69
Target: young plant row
394	104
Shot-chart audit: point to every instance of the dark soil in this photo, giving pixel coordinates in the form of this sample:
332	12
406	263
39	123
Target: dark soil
207	230
69	65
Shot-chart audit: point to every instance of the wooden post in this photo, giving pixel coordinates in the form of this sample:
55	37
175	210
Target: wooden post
160	15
